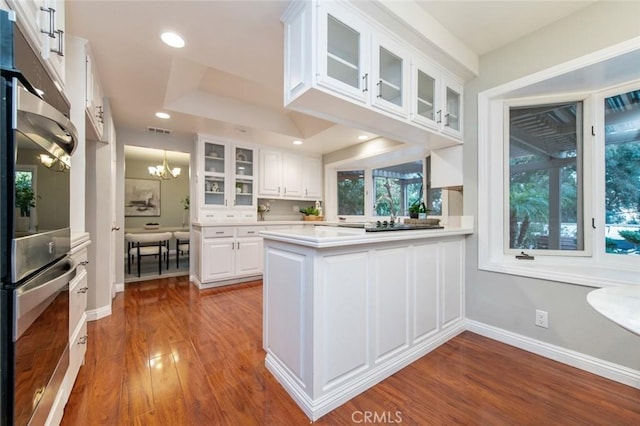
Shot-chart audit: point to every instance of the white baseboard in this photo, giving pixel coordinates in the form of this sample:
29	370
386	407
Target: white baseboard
117	288
96	314
609	370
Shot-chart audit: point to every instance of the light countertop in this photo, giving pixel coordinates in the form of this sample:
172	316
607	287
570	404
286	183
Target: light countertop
327	236
619	304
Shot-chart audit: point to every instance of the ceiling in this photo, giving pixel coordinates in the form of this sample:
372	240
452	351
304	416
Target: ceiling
228	79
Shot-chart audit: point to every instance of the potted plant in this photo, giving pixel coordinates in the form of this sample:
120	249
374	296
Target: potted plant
311	213
25	197
414	210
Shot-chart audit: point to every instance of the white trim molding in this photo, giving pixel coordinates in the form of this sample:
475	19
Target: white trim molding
96	314
606	369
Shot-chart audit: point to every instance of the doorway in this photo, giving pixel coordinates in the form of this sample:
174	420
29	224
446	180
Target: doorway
156	206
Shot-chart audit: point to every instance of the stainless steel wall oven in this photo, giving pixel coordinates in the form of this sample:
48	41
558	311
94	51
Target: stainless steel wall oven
37	140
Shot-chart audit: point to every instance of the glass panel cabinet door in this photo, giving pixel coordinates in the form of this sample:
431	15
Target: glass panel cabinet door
390	82
425	101
342	52
214	175
244	176
452	113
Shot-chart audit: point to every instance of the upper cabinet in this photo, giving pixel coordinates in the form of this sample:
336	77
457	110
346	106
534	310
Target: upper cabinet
43	23
436	99
343	66
226	181
94	100
287	175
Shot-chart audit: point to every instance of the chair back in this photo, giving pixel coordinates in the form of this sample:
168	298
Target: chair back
182	235
152	237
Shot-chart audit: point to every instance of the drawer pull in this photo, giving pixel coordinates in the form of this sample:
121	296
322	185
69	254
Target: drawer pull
219	232
83	340
84	263
251	232
83	290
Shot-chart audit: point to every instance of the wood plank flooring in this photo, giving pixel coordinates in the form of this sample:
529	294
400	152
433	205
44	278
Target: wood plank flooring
171	354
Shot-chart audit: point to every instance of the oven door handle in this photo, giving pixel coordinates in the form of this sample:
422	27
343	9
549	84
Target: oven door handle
33	297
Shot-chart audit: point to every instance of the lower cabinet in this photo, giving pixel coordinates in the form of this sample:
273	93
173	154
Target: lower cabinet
228	254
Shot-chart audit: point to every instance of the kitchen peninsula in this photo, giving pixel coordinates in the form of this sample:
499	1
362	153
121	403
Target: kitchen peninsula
345	308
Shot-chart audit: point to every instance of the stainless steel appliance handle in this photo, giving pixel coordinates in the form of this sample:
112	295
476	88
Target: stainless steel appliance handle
33	297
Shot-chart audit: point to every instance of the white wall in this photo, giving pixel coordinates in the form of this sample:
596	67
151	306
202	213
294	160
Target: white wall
509	302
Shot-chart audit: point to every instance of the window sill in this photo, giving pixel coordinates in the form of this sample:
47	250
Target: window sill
578	273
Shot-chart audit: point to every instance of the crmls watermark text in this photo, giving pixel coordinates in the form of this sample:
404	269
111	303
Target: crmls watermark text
384	417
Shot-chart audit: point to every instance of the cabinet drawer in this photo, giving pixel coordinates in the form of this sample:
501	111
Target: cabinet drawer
80	258
249	231
217	232
77	349
77	299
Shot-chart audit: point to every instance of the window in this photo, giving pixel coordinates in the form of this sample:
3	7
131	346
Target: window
622	173
383	191
545	179
569	196
396	188
351	193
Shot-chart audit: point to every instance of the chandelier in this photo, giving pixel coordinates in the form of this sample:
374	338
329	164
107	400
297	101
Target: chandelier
164	171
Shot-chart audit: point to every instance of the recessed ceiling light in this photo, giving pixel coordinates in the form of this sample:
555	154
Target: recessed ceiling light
172	39
363	137
297	142
163	115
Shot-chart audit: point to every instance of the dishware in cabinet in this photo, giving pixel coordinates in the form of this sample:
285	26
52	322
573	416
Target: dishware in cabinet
244	176
214	167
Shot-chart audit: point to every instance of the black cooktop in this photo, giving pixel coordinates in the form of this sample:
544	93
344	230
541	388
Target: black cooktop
389	226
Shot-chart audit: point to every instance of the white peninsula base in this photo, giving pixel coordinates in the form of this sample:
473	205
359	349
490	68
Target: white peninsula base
344	309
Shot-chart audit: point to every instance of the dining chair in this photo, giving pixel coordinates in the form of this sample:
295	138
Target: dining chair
148	244
182	244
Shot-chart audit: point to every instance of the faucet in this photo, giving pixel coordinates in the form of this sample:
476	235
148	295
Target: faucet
386	198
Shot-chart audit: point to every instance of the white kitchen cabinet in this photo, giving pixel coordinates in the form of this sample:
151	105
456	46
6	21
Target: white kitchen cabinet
280	174
228	254
288	175
312	178
94	100
436	99
342	65
391	66
343	52
78	290
447	167
43	23
226	180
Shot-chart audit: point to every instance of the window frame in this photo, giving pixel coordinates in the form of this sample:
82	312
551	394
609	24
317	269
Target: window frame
593	270
331	210
587	181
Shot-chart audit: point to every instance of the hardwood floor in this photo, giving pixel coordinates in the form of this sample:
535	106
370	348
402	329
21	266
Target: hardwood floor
171	354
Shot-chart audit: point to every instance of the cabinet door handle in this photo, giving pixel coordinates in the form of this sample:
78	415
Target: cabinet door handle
225	201
365	83
439	116
50	11
446	120
285	190
379	95
84	263
83	340
100	113
83	290
238	245
233	245
278	190
59	50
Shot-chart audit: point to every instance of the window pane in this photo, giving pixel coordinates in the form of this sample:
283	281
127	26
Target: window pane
396	188
545	182
622	173
351	192
434	195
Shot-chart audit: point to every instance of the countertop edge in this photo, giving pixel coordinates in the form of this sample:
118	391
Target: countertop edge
359	237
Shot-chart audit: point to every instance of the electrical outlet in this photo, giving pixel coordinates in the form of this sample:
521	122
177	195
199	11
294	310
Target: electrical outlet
296	208
542	318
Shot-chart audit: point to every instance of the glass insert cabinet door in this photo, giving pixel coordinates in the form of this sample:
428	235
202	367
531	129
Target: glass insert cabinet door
426	86
452	114
214	174
390	83
244	176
